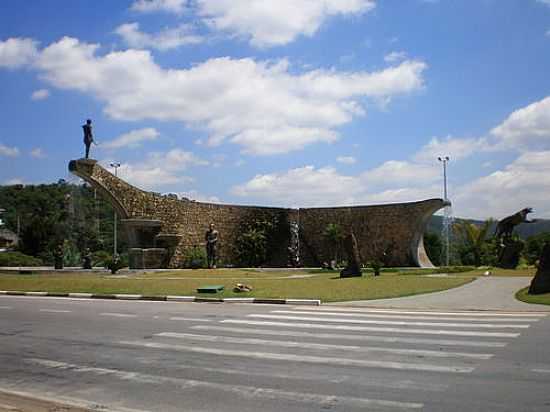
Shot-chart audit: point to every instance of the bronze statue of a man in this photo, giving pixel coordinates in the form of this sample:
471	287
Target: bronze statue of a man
88	136
211	238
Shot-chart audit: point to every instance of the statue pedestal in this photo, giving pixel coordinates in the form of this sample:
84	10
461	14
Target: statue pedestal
509	255
541	282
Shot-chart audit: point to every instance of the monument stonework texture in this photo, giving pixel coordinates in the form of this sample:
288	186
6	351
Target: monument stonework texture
161	229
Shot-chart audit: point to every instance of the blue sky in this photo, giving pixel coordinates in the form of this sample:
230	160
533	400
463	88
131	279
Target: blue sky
287	103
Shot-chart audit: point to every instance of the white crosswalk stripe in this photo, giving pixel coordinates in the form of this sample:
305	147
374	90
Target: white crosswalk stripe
431	313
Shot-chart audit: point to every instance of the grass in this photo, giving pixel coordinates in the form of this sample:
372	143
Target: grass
543	299
272	284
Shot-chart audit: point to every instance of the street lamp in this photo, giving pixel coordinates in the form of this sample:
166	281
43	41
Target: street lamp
446	212
115	165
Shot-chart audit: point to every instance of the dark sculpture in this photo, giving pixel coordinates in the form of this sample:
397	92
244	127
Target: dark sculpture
353	267
211	238
88	136
87	259
541	281
509	248
58	255
506	226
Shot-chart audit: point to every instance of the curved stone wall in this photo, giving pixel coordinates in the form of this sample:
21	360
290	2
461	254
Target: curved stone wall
163	228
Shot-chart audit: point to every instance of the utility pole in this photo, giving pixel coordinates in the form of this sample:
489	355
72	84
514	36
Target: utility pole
447	219
115	165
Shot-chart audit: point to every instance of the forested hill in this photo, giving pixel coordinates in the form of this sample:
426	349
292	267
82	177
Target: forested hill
524	230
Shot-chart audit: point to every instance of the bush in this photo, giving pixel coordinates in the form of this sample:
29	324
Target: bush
18	259
195	258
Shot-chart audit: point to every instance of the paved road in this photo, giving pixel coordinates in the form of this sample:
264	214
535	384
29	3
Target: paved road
490	293
151	356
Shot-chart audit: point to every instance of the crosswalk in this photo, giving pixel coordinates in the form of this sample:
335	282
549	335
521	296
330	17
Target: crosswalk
397	356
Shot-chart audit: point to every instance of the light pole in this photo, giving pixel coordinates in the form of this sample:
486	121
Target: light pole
115	165
446	211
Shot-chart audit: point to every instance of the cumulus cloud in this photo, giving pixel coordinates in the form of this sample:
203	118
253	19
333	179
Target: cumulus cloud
274	23
347	160
167	39
160	169
8	151
38	153
40	94
400	174
526	128
151	6
260	105
524	182
457	148
17	52
14	181
132	139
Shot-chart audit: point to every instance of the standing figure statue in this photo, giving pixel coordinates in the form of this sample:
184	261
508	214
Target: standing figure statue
211	238
88	136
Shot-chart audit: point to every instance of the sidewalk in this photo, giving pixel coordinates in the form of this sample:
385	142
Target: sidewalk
488	293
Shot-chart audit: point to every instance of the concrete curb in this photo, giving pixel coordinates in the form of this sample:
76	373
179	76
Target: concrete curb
168	298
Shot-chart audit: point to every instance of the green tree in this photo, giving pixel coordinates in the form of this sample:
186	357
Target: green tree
434	247
334	235
475	249
253	240
533	247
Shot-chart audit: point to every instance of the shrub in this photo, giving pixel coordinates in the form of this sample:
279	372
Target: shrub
18	259
195	258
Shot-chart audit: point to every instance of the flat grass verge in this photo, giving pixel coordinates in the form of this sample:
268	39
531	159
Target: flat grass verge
327	287
543	299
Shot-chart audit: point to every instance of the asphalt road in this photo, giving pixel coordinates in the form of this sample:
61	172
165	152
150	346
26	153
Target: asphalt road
158	356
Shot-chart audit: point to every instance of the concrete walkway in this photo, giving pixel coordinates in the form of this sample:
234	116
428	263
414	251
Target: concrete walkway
490	293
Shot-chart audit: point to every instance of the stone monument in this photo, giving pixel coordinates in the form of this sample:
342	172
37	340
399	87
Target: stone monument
353	267
541	282
211	238
509	248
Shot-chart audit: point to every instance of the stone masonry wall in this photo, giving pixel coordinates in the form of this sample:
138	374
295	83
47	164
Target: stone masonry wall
395	229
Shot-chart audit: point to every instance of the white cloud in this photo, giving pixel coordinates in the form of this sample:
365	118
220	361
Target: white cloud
150	6
131	139
395	173
548	32
165	40
526	128
8	151
199	197
40	94
395	56
523	183
456	148
547	2
261	106
17	52
273	23
347	160
38	153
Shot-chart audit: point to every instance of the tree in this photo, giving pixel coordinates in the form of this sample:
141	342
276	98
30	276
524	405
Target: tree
475	248
253	240
533	247
434	247
334	234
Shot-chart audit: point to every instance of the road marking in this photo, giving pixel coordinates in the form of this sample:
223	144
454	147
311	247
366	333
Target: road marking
388	316
322	346
374	329
387	339
540	370
55	311
409	312
118	315
391	322
363	380
6	307
305	358
247	392
191	319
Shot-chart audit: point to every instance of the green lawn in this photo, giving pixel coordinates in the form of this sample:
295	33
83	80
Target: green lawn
270	284
543	299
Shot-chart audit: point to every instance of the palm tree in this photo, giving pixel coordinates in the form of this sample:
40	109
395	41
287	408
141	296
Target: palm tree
474	237
334	235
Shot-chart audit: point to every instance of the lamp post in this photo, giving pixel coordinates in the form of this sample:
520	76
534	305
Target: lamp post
115	165
446	214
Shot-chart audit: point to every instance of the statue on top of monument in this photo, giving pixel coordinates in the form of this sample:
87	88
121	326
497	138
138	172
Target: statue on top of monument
88	136
211	238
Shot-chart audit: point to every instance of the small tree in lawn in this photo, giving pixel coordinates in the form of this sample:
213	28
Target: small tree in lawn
334	234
